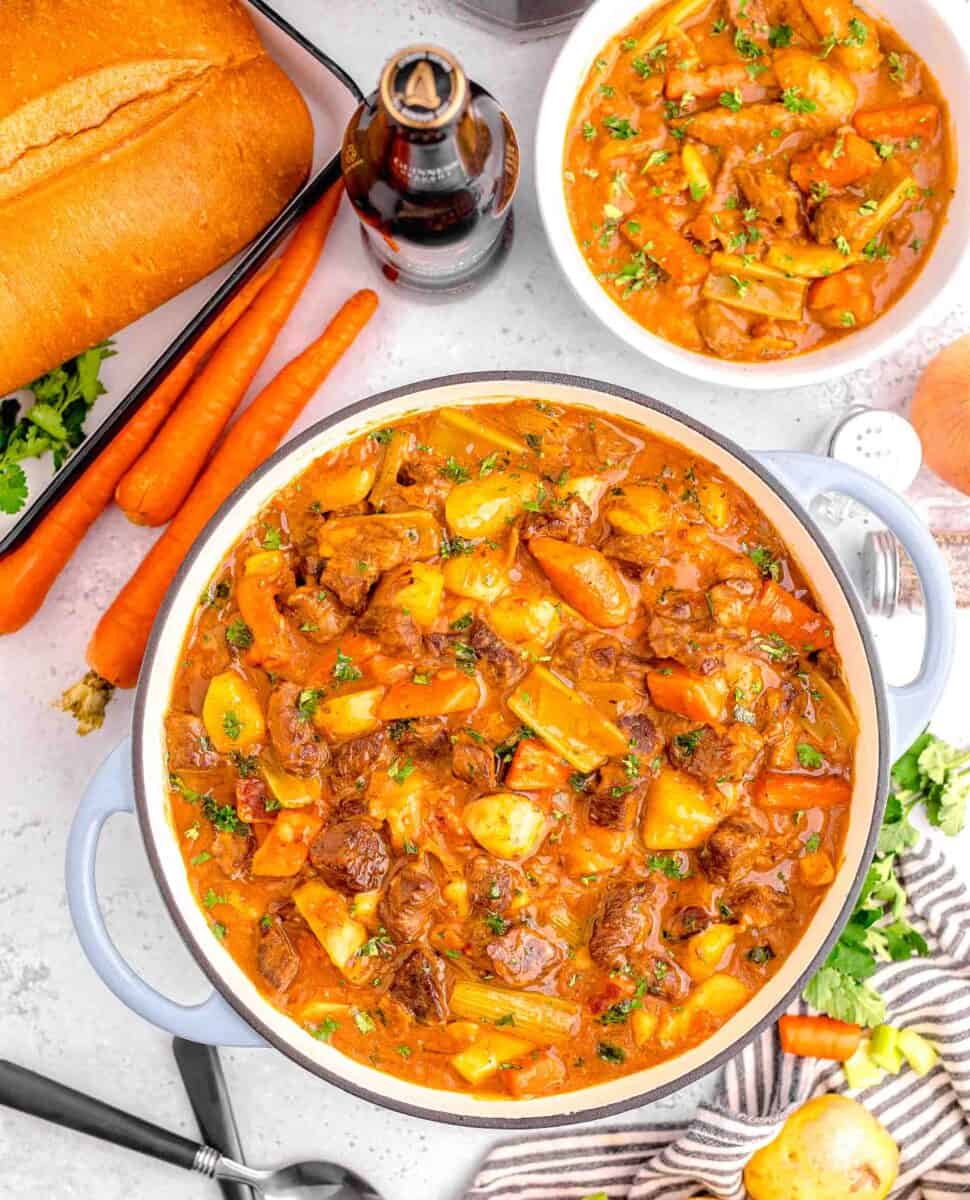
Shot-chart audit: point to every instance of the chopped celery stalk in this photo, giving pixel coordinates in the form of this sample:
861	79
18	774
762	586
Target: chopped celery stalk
884	1049
860	1071
919	1052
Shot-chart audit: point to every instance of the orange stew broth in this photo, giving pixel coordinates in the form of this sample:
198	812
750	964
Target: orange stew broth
675	814
752	179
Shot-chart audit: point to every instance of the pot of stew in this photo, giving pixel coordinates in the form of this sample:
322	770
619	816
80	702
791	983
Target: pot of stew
509	749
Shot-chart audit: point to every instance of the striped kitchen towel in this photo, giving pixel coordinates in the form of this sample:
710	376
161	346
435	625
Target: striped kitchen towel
928	1117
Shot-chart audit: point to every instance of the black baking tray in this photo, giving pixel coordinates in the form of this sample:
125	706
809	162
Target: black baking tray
331	95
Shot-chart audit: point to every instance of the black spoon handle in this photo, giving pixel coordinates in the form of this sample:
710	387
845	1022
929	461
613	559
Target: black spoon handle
52	1101
205	1085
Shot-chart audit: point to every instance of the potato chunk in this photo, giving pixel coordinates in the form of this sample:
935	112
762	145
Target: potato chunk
232	714
506	825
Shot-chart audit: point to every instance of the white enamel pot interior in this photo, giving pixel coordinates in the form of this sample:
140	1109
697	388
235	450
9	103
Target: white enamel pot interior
938	30
818	564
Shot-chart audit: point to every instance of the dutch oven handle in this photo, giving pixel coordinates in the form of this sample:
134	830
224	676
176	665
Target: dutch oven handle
212	1022
912	705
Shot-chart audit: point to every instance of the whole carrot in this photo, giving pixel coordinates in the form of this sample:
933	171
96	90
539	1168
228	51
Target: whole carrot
115	651
27	573
152	491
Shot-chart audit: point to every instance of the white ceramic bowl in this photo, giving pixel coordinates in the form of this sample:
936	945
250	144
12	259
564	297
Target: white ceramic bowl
937	30
137	779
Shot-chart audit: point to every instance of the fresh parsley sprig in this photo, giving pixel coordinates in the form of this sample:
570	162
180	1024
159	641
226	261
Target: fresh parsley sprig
937	776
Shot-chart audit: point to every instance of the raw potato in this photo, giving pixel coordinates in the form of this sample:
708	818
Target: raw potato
830	1149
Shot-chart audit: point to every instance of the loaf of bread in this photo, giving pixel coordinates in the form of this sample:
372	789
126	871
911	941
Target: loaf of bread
142	143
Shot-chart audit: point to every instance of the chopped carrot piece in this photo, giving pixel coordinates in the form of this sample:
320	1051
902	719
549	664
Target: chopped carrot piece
535	768
780	613
681	691
446	692
842	301
286	846
585	578
671	251
792	792
835	161
902	120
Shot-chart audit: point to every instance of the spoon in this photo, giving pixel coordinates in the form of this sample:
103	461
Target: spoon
205	1086
52	1101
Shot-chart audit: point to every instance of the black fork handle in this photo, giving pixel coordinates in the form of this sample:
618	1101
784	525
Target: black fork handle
41	1097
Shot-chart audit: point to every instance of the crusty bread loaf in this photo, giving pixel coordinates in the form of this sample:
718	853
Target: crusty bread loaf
142	143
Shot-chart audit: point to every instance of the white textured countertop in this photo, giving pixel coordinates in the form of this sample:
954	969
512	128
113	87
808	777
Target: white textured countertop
55	1015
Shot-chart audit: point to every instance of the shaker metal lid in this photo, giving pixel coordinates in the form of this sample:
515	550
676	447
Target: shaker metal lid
423	87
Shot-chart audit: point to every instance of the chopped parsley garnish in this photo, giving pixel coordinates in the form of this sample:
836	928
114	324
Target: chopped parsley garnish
765	561
488	464
224	817
610	1053
580	782
364	1021
455	547
466	657
619	127
232	726
897	71
272	538
219	930
453	470
344	669
812	843
506	749
775	647
589	131
808	756
667	865
688	742
858	33
842	245
382	436
399	727
495	923
796	103
745	46
328	1026
400	770
238	634
459	624
779	36
759	955
380	945
306	702
731	100
657	158
202	857
505	1019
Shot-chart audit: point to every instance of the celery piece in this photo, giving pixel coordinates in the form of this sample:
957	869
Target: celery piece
860	1071
884	1049
919	1052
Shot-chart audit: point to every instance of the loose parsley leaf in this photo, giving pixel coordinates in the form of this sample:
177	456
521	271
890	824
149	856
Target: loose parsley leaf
779	36
344	669
619	127
808	756
239	634
610	1053
400	770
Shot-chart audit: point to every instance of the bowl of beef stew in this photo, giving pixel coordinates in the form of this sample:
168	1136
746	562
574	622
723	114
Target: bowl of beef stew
758	194
509	750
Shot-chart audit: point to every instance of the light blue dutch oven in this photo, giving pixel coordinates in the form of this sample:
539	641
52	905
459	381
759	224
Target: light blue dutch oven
134	778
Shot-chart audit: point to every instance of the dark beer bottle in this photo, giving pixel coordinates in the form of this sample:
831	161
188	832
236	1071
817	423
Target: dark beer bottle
430	163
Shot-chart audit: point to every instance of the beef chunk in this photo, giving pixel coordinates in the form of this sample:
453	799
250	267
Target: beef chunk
758	906
521	955
594	656
491	884
473	762
420	484
731	850
425	737
569	522
318	613
641	732
357	758
276	959
633	552
710	756
394	629
499	662
620	925
677	604
730	602
253	801
776	198
351	855
231	852
189	748
350	580
419	985
615	801
686	921
406	906
294	739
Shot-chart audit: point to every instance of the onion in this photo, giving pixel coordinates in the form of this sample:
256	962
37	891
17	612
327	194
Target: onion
941	414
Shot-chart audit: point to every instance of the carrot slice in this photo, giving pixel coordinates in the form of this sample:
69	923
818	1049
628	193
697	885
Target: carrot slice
115	651
27	573
152	491
819	1037
835	161
901	120
780	613
668	249
534	768
287	845
793	792
585	578
446	692
696	696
